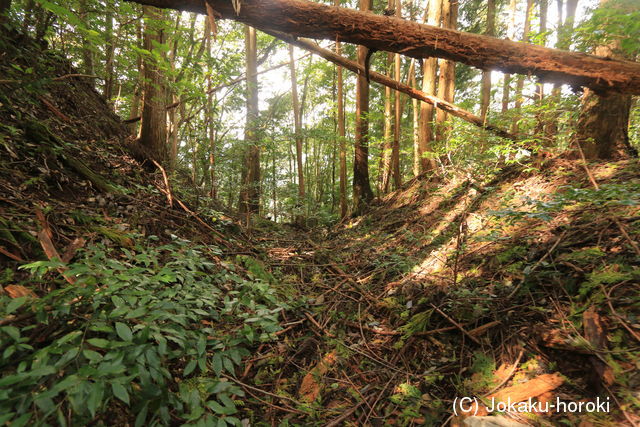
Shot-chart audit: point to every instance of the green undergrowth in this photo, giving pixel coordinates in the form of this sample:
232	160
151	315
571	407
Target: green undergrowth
145	336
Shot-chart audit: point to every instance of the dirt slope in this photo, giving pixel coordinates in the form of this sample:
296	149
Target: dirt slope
472	289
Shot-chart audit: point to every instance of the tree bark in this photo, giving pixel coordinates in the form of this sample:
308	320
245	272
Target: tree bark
397	124
109	53
387	143
447	82
485	85
511	29
305	18
429	76
603	124
520	81
153	123
341	133
249	202
297	128
87	54
362	193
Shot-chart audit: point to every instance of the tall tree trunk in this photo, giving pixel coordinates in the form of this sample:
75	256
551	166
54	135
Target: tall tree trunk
341	133
603	125
506	86
387	142
109	53
87	54
137	92
250	190
520	81
362	193
563	42
540	119
447	81
297	129
416	125
395	148
213	189
429	78
153	123
485	85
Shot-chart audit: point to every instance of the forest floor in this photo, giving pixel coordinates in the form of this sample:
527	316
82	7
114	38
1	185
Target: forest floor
125	300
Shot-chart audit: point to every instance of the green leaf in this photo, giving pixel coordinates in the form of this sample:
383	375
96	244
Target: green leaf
120	392
190	367
93	356
12	331
124	332
141	418
216	363
228	365
15	304
99	342
216	407
94	400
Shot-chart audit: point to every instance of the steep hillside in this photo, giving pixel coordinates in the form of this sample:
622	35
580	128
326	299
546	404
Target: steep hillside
470	289
119	305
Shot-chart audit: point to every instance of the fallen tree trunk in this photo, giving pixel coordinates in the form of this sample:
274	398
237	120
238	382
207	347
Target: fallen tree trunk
393	84
308	19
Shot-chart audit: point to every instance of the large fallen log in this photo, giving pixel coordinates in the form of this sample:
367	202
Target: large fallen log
393	84
308	19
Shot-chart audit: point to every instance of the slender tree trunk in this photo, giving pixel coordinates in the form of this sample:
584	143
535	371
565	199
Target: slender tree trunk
563	42
87	54
297	130
485	85
520	81
341	135
603	125
109	53
447	81
275	187
540	119
135	101
153	123
506	87
250	191
416	125
362	193
429	78
213	190
387	142
395	148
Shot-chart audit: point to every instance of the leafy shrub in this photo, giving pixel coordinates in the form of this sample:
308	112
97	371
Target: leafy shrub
133	328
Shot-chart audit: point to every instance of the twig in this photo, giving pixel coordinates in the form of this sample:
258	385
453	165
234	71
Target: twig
457	325
259	390
615	313
317	325
166	182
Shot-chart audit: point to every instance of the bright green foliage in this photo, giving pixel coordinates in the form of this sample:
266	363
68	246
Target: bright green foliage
152	328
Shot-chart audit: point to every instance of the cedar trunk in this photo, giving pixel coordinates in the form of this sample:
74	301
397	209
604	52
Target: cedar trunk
250	185
153	129
362	193
603	125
